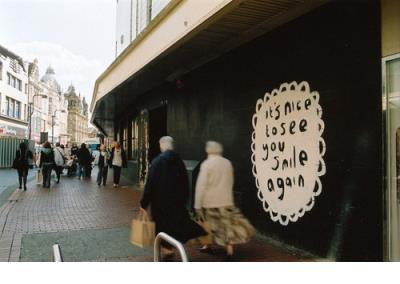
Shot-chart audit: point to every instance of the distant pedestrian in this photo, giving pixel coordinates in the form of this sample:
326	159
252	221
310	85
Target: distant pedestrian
214	201
74	150
118	161
22	162
59	158
167	192
47	163
84	161
102	160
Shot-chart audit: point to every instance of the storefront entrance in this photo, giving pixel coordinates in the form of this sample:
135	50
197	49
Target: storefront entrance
157	129
391	107
152	126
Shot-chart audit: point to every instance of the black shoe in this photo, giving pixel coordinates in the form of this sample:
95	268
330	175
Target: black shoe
58	181
24	188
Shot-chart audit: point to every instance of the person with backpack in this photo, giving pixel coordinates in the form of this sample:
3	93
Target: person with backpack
47	163
22	162
59	158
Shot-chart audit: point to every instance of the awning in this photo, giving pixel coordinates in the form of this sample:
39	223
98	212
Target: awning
230	25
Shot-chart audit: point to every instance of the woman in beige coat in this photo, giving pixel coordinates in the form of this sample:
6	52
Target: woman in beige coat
214	201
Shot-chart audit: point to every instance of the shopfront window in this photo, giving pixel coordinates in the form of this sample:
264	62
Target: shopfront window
125	138
391	106
134	139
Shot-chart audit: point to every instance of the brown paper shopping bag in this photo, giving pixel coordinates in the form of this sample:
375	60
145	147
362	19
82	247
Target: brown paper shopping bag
143	231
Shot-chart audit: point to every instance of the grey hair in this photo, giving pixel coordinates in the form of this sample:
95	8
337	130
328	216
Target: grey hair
166	143
214	147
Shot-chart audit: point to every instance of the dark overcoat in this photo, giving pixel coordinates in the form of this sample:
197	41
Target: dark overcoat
167	191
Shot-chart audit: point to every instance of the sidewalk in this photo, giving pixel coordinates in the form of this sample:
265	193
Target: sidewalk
91	223
9	181
9	177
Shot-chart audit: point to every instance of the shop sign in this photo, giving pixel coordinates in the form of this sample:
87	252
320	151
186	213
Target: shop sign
6	130
287	151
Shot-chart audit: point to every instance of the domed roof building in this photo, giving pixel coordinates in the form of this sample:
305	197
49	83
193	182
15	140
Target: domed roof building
50	79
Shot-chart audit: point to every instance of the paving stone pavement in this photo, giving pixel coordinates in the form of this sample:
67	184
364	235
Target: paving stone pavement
70	205
76	205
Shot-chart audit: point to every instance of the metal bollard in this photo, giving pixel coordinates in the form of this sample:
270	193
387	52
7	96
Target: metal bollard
171	241
57	256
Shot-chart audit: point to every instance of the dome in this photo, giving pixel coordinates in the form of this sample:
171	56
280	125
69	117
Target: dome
71	91
50	79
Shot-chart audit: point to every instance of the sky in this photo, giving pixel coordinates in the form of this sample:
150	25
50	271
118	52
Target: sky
77	38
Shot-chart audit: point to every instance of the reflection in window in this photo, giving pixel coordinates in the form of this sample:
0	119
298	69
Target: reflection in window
142	15
157	6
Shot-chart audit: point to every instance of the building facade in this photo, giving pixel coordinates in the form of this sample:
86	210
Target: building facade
13	95
133	16
305	105
37	104
77	116
48	107
56	111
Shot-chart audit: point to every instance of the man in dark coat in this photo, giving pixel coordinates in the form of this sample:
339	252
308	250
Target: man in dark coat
167	191
84	160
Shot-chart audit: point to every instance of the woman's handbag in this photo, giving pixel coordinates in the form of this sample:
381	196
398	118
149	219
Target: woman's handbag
15	164
142	231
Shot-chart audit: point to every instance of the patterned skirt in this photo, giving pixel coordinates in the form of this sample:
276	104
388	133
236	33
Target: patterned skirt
228	225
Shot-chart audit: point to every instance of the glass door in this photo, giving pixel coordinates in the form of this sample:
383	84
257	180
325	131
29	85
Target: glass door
391	110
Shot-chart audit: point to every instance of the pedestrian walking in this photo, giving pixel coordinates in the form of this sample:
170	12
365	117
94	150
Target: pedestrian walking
102	160
118	161
74	149
167	192
84	161
46	163
22	162
59	158
214	202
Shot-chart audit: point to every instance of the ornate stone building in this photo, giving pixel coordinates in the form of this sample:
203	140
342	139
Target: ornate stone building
56	110
77	116
48	107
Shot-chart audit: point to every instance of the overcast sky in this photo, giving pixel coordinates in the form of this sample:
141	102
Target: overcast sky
75	37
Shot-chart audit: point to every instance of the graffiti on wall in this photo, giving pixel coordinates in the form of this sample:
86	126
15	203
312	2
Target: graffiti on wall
287	151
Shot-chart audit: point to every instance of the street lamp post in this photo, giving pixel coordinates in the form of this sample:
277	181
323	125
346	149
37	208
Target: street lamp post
52	123
31	110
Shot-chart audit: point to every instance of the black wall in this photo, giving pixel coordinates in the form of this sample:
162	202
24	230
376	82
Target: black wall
336	48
